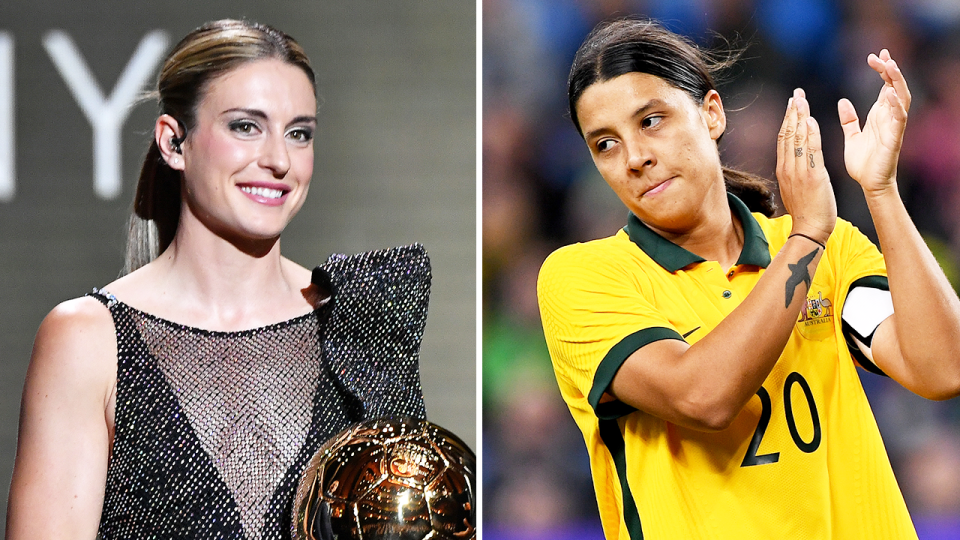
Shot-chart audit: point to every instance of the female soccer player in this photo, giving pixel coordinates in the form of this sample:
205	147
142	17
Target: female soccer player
184	399
707	352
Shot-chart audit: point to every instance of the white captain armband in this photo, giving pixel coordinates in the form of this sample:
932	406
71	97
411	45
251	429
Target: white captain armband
863	311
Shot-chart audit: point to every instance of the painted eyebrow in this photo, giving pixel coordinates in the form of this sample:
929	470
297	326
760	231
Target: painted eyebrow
652	104
257	113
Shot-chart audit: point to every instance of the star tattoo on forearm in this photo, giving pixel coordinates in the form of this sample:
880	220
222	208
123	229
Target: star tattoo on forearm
798	274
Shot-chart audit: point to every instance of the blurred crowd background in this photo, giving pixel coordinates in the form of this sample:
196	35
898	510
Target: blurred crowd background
541	191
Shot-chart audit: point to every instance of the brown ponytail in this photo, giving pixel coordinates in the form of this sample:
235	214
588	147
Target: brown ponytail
156	211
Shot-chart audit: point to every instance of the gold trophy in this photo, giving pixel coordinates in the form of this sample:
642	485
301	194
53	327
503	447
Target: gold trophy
388	479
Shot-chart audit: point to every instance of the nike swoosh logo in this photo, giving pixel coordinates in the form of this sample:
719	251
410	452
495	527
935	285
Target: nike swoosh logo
690	332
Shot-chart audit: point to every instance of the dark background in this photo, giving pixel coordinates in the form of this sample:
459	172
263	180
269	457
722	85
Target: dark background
395	164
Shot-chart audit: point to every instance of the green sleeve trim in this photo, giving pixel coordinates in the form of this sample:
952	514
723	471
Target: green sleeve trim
611	364
613	439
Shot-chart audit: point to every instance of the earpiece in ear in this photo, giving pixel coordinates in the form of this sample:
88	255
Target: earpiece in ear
175	144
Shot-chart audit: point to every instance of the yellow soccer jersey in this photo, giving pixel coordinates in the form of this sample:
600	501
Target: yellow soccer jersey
804	458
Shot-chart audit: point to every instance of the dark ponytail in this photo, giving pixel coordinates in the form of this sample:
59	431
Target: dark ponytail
624	46
753	190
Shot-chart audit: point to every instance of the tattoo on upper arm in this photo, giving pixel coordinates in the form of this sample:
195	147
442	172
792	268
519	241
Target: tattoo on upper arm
799	273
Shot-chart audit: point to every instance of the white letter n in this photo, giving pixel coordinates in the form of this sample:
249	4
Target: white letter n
106	115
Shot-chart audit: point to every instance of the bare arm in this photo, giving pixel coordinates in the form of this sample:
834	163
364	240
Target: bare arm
705	385
64	441
918	346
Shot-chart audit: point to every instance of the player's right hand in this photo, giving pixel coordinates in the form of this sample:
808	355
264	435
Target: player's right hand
804	182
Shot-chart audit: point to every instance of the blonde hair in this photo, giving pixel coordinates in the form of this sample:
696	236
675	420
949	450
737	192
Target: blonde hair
203	55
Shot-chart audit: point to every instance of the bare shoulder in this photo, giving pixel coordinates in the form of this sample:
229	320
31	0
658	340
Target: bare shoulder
79	318
77	338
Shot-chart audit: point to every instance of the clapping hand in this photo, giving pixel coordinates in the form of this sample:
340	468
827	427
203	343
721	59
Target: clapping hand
871	154
804	182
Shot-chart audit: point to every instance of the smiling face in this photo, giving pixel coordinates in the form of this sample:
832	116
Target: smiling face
656	147
248	161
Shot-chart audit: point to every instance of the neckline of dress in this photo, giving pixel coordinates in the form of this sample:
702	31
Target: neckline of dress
114	301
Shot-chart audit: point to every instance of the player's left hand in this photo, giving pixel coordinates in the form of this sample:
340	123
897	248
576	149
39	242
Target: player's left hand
871	154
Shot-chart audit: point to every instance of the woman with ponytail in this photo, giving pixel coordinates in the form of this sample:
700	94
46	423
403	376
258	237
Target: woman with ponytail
184	399
708	351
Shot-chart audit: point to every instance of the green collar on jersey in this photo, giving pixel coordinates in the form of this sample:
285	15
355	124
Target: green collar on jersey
671	257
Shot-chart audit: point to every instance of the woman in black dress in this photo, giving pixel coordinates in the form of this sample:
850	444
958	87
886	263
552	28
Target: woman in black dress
183	399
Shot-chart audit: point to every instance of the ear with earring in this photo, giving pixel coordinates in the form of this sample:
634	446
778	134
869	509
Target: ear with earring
175	146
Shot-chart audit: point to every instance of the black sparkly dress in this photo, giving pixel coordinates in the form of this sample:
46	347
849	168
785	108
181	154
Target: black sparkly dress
213	428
